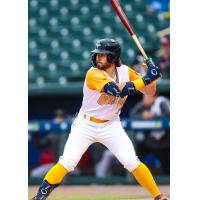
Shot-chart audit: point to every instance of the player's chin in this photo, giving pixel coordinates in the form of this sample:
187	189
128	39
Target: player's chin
100	66
103	67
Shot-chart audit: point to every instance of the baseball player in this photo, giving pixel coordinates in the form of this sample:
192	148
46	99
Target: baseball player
107	85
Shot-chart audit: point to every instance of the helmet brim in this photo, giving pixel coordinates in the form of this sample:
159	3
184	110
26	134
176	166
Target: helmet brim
101	51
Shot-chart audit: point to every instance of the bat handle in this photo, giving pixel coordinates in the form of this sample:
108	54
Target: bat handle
139	46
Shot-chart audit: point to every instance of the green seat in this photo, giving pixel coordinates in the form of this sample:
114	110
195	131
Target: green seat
42	67
70	69
33	25
130	10
64	55
54	5
33	55
64	32
40	81
63	65
32	78
64	15
151	28
86	55
107	12
32	45
75	24
31	68
53	24
43	2
54	54
62	80
140	6
43	15
53	67
33	6
85	10
95	5
163	23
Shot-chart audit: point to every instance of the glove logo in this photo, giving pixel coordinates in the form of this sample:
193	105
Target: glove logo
154	72
43	191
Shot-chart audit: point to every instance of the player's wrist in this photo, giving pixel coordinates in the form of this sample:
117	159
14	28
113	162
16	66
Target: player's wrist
112	89
129	89
151	75
149	62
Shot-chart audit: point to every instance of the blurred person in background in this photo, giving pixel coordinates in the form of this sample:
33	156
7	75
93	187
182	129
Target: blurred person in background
107	165
163	57
153	144
49	144
85	165
158	7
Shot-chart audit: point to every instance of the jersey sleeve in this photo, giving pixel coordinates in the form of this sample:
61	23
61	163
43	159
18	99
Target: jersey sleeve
133	75
96	79
137	79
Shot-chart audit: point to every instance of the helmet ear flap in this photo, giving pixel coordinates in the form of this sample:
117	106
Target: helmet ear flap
94	55
110	58
114	59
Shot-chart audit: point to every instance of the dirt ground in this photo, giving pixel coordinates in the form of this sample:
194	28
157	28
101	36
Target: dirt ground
108	190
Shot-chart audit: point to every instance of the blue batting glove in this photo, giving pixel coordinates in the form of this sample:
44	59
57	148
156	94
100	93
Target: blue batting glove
153	72
112	89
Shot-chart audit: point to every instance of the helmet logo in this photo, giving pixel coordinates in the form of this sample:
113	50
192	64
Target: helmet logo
98	44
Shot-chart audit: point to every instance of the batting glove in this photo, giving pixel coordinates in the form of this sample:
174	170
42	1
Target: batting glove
153	72
112	89
129	89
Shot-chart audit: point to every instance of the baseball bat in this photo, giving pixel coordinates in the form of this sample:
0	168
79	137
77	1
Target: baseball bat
115	4
163	32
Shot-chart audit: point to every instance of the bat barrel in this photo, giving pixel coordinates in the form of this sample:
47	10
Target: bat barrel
115	4
122	16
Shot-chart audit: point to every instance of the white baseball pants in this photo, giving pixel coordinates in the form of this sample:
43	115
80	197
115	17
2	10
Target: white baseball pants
111	134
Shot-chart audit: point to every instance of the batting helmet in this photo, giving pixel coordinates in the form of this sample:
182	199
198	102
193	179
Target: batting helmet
107	46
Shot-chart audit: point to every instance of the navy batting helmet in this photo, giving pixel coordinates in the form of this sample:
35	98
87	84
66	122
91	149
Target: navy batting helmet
107	46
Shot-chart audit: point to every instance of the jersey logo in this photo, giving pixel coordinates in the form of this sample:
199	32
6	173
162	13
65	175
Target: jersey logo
106	99
98	75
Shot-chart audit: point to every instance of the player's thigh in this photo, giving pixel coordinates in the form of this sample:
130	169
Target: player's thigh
78	142
118	142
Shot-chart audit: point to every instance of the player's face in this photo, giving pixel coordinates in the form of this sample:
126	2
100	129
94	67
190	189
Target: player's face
102	62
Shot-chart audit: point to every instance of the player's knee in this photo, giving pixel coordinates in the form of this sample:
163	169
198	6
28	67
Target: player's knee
68	164
131	163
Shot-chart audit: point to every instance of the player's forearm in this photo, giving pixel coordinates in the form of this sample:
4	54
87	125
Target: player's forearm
149	89
144	84
131	87
111	88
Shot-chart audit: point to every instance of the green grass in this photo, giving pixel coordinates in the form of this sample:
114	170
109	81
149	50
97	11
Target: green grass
94	197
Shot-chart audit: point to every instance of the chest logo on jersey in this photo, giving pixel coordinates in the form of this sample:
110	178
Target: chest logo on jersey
106	99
